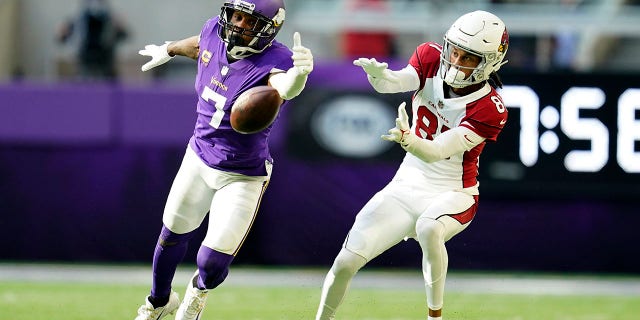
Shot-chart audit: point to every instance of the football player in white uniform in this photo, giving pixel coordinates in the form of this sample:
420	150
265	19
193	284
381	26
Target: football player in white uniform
434	194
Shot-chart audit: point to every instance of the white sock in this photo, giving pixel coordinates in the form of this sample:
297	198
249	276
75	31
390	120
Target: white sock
432	318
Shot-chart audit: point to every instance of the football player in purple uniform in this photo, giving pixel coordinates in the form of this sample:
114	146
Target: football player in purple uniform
223	173
434	194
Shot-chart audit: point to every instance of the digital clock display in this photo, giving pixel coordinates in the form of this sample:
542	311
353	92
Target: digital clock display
567	135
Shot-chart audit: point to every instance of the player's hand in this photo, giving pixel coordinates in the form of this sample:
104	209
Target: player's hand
371	66
401	131
302	57
159	55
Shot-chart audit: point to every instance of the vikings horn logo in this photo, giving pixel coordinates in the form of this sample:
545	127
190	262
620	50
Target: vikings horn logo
278	19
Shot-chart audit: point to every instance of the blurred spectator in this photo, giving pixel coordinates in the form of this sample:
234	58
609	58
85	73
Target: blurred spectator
358	42
97	32
564	50
521	54
565	41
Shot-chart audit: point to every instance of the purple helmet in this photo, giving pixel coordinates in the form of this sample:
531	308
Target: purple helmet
270	17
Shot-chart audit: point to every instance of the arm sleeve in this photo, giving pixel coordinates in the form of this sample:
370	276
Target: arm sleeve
289	84
487	120
454	141
402	80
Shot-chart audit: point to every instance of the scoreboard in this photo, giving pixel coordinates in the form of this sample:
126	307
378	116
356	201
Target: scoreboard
574	135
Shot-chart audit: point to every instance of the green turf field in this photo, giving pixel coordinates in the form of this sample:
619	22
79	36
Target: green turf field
96	292
83	301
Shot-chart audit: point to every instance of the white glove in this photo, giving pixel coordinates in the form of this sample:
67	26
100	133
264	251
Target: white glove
400	133
454	141
302	57
372	67
159	55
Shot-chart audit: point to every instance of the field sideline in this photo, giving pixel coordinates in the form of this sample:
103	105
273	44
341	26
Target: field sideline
103	292
499	283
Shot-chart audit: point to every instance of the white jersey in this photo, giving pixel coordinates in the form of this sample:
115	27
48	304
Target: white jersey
482	111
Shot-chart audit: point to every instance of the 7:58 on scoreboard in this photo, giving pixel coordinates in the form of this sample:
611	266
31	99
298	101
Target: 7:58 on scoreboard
537	124
567	134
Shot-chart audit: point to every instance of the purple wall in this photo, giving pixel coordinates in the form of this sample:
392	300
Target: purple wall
85	170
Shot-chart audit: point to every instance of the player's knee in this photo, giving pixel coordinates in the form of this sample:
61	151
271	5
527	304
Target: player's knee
169	238
429	230
178	223
213	266
347	264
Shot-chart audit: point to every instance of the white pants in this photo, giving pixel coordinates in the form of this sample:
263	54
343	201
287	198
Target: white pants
393	213
231	199
402	210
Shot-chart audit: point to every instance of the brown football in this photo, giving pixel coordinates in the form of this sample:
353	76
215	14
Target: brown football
255	109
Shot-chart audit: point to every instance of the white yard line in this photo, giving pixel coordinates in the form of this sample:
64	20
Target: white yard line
394	280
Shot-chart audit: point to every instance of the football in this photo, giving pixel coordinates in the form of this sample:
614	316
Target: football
255	109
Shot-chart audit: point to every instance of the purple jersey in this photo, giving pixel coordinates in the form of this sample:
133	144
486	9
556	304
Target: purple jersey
218	84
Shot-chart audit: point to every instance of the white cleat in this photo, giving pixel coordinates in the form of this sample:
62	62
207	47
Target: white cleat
194	301
148	312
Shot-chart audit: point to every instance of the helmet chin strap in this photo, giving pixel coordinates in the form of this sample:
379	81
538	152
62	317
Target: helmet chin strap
454	75
238	49
237	52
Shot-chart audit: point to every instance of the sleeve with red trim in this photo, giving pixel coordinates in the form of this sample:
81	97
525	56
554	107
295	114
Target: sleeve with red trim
488	116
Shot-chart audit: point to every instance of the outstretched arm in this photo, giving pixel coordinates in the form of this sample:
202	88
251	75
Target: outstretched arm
384	80
188	47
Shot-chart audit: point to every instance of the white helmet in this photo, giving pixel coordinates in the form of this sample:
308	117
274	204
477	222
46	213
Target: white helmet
480	33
